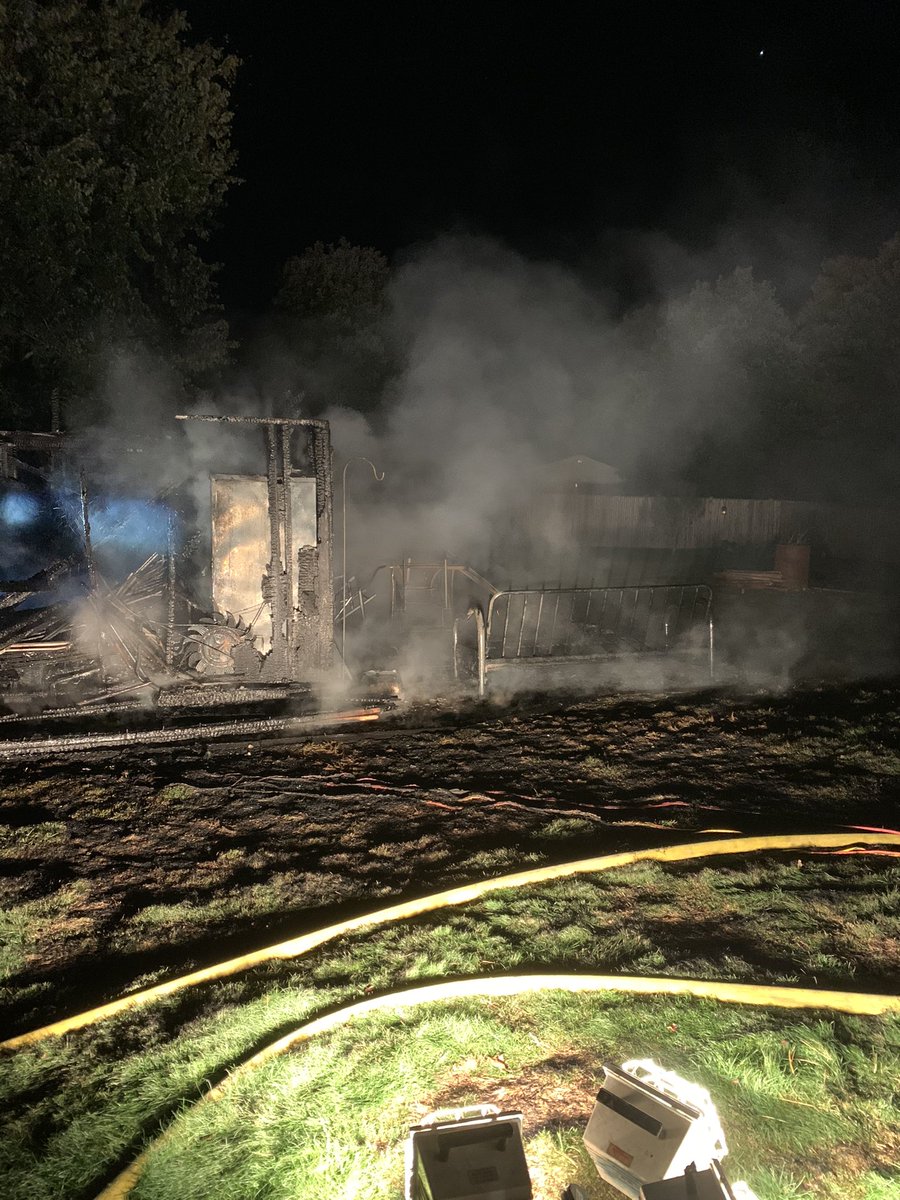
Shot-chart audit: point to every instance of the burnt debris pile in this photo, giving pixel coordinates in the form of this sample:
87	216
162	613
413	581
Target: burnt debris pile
215	588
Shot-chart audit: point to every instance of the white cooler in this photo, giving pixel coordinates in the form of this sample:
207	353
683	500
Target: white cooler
649	1124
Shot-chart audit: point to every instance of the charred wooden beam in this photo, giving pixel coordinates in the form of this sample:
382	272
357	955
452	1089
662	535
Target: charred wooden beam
24	439
268	727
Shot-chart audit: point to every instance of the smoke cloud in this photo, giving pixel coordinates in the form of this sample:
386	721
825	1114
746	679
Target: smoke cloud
512	364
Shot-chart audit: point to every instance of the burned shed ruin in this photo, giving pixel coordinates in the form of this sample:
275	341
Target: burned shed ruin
176	587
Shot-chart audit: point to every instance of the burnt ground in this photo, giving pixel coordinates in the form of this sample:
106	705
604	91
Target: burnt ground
247	844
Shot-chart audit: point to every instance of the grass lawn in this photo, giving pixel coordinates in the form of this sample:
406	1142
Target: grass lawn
120	871
806	1103
78	1106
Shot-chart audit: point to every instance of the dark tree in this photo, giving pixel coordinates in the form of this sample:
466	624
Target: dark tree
708	381
850	335
114	155
333	316
344	284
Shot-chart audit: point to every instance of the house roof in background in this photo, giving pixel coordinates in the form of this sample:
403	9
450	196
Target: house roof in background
580	469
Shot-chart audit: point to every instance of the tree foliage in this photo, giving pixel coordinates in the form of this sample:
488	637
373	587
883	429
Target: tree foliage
114	155
342	284
849	332
709	374
333	315
728	392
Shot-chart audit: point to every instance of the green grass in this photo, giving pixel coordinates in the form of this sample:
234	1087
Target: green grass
501	861
31	840
87	1099
808	750
174	793
827	923
326	750
78	1104
605	769
815	918
330	1118
564	828
277	893
24	927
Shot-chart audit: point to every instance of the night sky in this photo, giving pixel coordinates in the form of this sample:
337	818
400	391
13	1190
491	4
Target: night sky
548	125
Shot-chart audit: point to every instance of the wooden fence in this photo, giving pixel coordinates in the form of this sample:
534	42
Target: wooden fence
676	523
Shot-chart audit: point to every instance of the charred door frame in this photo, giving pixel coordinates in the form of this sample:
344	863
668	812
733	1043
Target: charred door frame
302	631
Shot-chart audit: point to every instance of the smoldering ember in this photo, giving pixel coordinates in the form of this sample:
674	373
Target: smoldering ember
449	659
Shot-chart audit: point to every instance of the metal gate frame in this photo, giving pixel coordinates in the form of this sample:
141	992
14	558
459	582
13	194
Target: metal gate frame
633	615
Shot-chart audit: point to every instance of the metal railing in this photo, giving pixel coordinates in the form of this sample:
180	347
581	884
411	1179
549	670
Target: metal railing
533	626
433	587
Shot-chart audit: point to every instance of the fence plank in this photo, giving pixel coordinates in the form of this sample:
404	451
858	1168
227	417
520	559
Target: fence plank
685	523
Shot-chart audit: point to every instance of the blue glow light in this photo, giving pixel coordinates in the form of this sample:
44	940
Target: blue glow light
133	524
18	508
119	524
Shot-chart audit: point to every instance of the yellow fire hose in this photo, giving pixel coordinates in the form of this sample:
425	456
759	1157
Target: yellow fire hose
858	1003
295	947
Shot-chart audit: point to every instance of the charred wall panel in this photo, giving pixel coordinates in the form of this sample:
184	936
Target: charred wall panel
240	551
241	545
